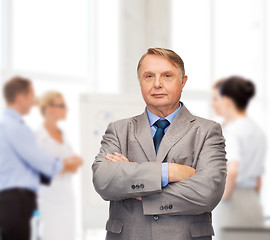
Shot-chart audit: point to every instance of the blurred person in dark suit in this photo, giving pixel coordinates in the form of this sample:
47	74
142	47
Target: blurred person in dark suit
23	163
246	150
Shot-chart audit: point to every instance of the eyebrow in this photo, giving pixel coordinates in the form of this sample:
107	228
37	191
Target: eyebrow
165	72
148	72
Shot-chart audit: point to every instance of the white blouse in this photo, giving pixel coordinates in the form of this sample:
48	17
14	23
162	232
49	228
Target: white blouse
246	144
61	185
57	201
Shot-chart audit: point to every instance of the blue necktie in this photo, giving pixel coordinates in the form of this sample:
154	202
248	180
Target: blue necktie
161	125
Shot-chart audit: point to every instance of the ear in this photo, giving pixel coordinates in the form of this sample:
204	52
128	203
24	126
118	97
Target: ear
19	98
227	101
184	80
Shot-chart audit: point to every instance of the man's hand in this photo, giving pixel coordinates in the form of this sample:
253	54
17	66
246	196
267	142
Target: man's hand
178	172
71	164
116	157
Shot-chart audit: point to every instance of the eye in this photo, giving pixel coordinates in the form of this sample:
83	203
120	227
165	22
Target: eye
149	76
167	75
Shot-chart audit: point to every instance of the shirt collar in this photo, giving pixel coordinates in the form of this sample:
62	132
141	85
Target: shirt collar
14	114
153	118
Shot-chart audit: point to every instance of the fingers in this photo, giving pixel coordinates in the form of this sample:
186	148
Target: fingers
123	158
191	171
113	158
79	161
76	162
116	157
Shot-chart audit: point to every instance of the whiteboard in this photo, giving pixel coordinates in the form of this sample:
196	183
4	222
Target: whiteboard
96	112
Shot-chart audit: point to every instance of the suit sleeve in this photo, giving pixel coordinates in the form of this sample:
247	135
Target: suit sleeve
123	180
200	193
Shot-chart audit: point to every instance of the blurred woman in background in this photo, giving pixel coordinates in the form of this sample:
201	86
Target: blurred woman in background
246	150
56	201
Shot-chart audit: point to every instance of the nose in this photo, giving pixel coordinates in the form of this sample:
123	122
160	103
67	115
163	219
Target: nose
157	82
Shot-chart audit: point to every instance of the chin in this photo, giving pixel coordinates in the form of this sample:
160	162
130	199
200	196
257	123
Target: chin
156	100
159	105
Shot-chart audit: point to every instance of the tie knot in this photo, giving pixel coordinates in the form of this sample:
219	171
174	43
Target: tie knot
162	123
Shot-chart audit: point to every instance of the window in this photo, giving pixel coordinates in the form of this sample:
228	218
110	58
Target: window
191	39
50	37
239	40
106	45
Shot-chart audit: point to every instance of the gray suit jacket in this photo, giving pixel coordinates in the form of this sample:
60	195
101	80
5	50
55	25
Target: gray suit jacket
179	211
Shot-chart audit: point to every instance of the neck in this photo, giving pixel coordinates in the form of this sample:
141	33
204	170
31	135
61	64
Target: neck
236	114
50	124
16	108
163	111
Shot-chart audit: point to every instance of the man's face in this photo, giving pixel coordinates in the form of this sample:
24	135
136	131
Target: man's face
161	84
216	102
27	100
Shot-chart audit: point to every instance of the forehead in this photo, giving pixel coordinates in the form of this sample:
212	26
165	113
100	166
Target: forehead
157	64
57	98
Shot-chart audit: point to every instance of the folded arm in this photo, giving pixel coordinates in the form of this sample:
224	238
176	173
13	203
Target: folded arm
122	180
199	193
174	172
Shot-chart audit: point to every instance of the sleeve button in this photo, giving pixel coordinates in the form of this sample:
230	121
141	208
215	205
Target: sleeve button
161	208
137	186
133	186
142	186
170	206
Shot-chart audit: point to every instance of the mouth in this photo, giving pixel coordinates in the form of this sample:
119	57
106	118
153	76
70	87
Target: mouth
158	95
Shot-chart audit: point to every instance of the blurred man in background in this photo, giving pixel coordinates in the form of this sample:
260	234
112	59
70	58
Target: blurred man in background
22	162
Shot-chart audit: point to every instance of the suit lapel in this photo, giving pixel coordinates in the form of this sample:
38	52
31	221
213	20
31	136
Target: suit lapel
144	136
181	124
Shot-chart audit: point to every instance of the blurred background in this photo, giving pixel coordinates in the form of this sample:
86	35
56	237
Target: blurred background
89	49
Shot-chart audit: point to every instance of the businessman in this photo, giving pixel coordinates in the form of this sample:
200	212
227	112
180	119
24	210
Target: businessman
22	163
162	171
